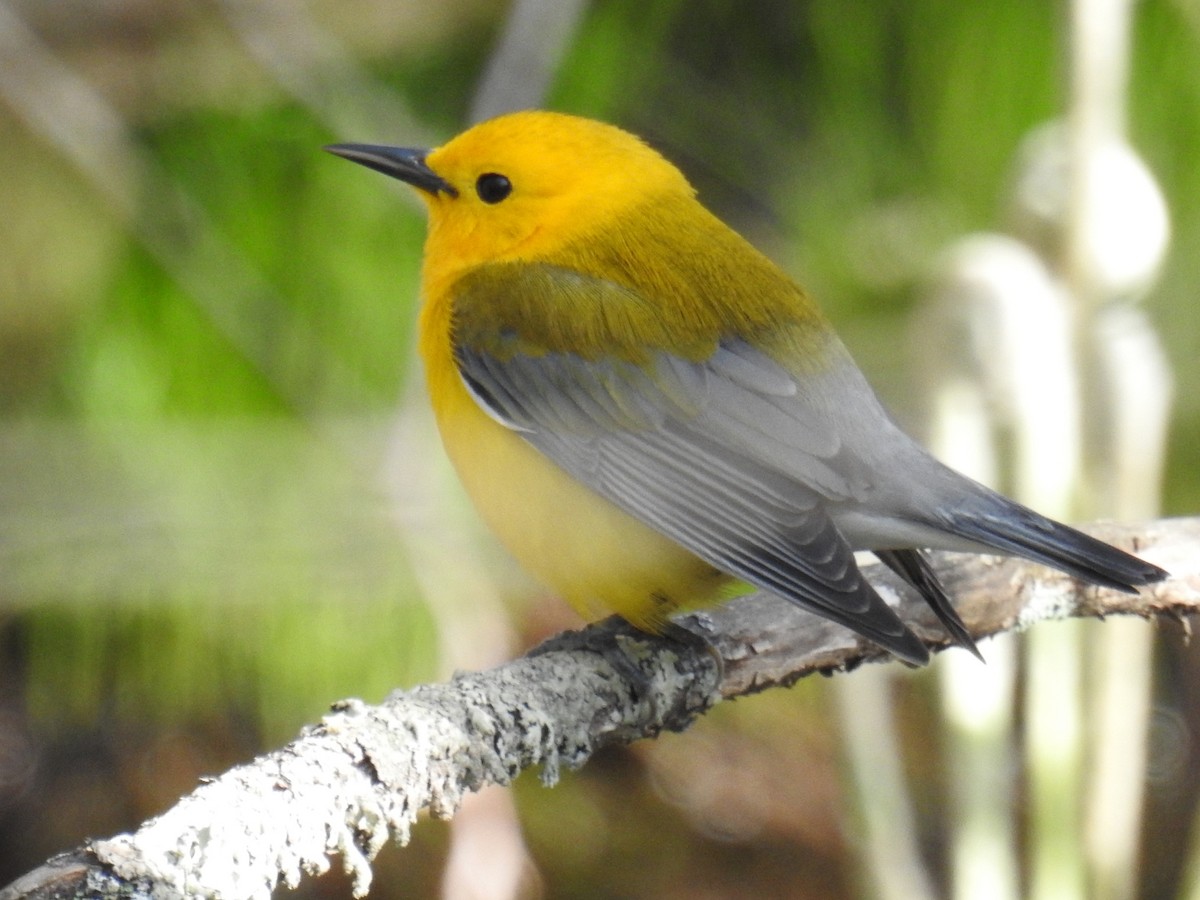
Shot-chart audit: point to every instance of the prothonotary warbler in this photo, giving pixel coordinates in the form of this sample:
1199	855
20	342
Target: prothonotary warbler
648	412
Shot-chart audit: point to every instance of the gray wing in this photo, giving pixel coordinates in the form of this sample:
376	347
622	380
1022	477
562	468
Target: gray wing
725	456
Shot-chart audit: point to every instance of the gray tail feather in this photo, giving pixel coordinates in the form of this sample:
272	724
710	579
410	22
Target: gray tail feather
914	567
1017	530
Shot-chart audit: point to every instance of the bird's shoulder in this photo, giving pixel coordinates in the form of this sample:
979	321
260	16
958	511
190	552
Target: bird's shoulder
666	277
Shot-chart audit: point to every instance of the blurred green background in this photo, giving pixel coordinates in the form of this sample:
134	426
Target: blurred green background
221	504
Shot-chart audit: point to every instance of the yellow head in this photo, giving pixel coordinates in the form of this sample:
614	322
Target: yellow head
523	184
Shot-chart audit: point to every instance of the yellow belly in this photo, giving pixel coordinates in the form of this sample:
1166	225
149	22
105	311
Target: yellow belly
599	559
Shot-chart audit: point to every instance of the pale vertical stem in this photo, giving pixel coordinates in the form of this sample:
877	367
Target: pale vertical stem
889	846
1005	367
978	703
1054	726
523	64
1139	392
1053	735
1126	393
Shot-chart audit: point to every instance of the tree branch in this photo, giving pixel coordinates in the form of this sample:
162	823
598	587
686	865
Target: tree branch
358	779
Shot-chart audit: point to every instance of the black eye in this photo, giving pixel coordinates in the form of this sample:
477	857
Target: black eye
492	187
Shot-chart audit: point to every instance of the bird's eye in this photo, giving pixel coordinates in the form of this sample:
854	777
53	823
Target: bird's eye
492	187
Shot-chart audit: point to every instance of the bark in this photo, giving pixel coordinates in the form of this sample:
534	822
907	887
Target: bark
354	781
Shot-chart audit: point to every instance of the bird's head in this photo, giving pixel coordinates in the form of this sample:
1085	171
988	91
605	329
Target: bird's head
522	185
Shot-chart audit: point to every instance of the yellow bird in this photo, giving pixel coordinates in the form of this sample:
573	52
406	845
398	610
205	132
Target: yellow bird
648	412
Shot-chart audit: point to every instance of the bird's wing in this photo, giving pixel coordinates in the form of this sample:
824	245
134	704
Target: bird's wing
724	454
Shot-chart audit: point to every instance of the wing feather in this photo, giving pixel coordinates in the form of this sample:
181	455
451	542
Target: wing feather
726	455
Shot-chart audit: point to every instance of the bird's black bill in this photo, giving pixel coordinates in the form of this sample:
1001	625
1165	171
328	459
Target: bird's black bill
406	163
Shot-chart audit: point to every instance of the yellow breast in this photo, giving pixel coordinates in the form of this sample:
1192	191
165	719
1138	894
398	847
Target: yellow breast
598	558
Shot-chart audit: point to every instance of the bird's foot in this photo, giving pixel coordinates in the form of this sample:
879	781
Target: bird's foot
616	641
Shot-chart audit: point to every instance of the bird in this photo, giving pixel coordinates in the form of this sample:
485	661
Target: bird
651	415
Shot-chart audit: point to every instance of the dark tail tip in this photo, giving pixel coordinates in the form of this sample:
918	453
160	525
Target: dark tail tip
914	568
1022	532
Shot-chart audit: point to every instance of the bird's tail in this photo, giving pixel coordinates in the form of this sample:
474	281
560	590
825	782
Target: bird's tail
913	567
1013	529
